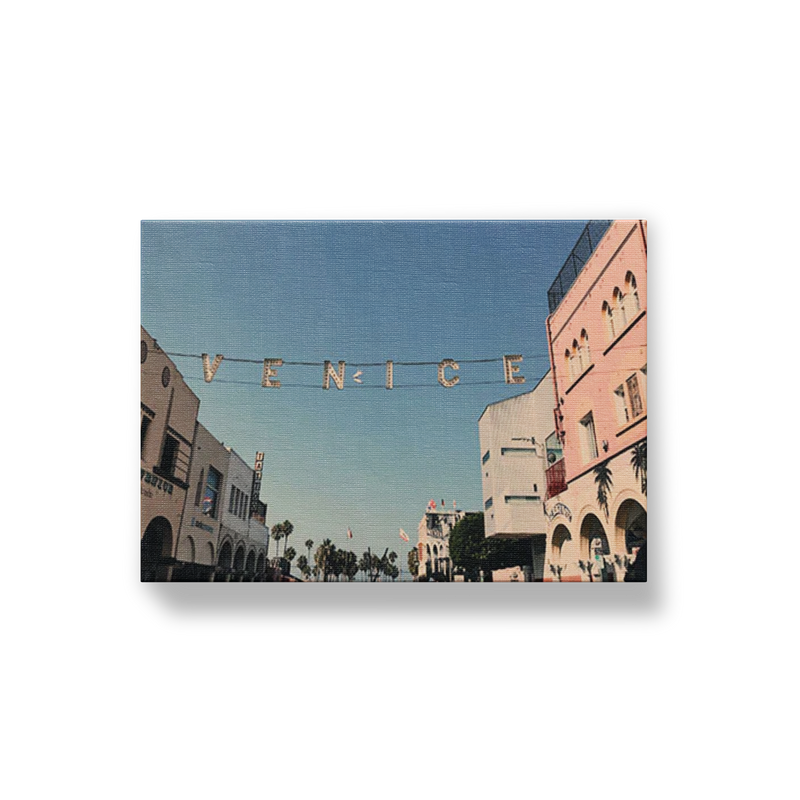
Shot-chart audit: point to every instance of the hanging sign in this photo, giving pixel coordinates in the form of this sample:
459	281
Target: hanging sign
448	370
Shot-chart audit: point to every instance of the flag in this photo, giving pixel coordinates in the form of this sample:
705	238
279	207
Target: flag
403	535
442	503
431	505
349	534
454	505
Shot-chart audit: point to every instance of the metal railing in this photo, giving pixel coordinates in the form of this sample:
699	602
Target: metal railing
556	479
587	243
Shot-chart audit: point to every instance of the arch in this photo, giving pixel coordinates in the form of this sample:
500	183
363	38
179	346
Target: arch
156	545
250	566
238	559
209	548
260	564
608	317
619	307
586	356
188	551
560	535
225	554
631	295
594	546
630	527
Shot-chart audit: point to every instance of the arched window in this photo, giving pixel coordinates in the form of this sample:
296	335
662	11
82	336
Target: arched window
568	363
575	360
619	308
608	316
586	356
631	296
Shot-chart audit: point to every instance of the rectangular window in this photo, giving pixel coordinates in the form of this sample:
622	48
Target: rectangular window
485	457
517	451
589	438
245	501
145	427
168	455
200	484
488	504
634	396
520	498
211	494
231	499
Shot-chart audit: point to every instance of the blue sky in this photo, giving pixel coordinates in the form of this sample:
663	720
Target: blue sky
368	459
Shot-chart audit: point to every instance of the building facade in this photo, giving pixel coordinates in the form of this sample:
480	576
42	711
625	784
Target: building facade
168	415
512	435
596	496
433	541
243	538
201	515
200	530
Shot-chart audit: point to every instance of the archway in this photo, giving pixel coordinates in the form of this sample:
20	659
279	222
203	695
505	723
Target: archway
250	566
156	547
224	561
238	563
595	551
260	567
630	527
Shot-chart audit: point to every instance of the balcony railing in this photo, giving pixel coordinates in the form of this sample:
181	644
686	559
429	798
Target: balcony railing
556	479
581	253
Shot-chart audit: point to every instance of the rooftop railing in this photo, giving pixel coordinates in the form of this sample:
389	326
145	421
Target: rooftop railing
587	243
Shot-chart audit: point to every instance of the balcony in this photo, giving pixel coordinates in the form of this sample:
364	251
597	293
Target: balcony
556	479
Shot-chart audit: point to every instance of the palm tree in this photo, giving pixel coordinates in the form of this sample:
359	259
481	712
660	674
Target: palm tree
639	464
288	530
302	565
586	566
277	535
323	557
602	477
289	554
309	545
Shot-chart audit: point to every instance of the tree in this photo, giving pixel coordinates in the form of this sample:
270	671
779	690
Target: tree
289	553
309	545
302	565
277	535
364	565
413	562
323	558
288	530
350	565
468	545
602	477
639	464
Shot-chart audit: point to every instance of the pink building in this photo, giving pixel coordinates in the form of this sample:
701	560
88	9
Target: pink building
596	500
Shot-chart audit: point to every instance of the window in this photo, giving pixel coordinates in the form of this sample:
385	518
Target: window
608	315
631	296
517	451
519	498
145	427
630	397
231	499
488	504
619	308
211	494
485	457
168	456
588	438
585	355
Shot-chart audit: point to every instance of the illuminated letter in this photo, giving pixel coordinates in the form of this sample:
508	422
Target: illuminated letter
390	374
511	369
447	383
270	373
210	370
328	373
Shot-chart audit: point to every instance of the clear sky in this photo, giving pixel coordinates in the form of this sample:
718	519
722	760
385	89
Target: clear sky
367	459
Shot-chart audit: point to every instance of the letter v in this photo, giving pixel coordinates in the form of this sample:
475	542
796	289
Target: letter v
210	370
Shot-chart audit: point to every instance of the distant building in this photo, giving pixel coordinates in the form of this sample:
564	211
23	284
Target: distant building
433	541
512	436
596	501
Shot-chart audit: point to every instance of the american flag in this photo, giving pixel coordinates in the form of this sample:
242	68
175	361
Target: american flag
403	535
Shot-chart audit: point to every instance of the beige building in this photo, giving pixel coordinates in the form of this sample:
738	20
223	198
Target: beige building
512	436
200	530
433	536
168	415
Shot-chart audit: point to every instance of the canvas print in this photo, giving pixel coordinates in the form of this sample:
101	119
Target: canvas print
394	401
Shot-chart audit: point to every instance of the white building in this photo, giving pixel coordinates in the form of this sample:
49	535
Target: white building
240	536
512	436
433	541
